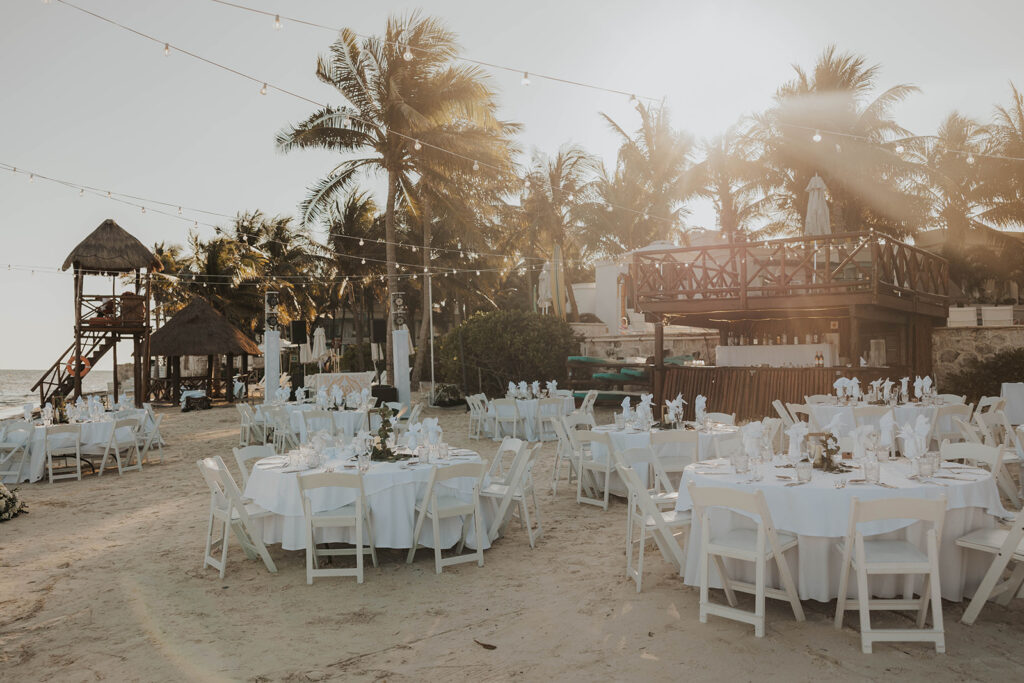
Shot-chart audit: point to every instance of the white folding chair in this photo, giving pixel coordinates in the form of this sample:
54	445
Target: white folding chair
285	438
645	518
771	429
63	441
516	490
508	445
249	429
247	456
574	420
944	429
992	457
506	411
14	450
951	399
803	413
660	488
549	411
355	515
818	399
722	418
787	419
597	471
675	448
873	556
759	546
968	432
587	404
476	415
991	403
565	452
727	446
231	512
123	437
438	505
152	437
1005	545
316	421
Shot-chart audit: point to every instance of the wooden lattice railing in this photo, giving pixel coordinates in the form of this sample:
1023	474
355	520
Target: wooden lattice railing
844	264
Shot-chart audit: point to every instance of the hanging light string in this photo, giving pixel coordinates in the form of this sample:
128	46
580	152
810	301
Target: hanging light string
897	145
412	50
346	112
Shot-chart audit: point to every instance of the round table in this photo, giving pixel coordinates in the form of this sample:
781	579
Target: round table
347	422
528	414
392	490
818	513
904	413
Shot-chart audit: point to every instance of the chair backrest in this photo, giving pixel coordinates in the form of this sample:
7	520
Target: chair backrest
243	456
18	433
976	453
505	408
951	399
586	436
870	415
675	436
574	420
474	470
987	403
678	447
62	432
245	413
967	430
414	414
319	480
950	410
223	489
508	445
816	399
929	510
549	407
131	424
800	411
564	445
473	404
645	457
315	419
638	492
587	404
722	418
751	503
771	427
787	419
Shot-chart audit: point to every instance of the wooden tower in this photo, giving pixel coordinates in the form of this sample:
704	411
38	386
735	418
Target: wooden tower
102	320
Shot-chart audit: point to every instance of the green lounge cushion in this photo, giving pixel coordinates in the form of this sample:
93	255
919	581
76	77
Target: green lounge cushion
634	372
612	377
587	359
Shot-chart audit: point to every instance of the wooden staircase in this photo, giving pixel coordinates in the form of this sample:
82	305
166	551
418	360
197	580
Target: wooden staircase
57	381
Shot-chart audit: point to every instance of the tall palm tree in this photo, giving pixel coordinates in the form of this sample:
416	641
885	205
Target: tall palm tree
830	122
400	110
1008	133
554	205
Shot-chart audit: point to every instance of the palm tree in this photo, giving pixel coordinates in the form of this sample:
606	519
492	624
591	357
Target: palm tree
829	122
1008	133
168	292
554	205
402	112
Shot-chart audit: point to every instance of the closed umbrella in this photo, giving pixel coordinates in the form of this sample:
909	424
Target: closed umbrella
817	222
558	283
544	288
319	344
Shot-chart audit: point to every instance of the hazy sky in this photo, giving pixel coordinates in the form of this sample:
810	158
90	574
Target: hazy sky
85	101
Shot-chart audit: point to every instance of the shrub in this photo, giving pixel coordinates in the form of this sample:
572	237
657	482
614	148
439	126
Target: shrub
984	377
448	395
497	347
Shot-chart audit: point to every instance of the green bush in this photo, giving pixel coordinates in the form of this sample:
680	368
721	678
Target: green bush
984	377
503	346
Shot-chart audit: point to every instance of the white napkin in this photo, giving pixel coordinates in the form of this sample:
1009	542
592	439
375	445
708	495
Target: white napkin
674	408
80	402
885	430
910	444
524	390
625	408
122	401
432	429
26	411
552	387
700	407
840	385
365	396
887	388
863	362
414	435
511	390
796	434
282	394
353	400
751	435
926	384
535	387
918	388
903	386
853	388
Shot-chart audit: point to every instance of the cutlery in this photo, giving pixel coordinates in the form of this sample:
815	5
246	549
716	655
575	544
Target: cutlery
796	483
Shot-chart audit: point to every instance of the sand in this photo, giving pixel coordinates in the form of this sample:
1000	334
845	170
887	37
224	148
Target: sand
103	580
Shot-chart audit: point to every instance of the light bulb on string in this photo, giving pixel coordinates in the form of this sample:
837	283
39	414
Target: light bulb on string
363	262
899	149
263	90
525	80
817	136
609	208
417	146
361	241
81	193
478	272
476	165
143	209
167	49
108	194
414	248
179	210
970	159
346	121
31	177
277	22
407	55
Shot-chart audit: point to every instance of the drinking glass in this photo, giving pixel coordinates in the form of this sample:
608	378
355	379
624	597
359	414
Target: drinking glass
741	462
872	471
620	422
803	471
924	466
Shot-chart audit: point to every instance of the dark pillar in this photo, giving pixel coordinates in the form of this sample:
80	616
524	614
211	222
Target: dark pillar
210	374
659	362
117	384
175	373
229	378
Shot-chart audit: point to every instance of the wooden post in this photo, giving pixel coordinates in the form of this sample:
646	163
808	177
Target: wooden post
117	384
853	346
229	378
78	332
659	361
175	371
209	376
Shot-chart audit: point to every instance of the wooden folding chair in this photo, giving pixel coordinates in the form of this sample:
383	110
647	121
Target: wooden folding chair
1005	546
355	515
247	456
439	505
644	514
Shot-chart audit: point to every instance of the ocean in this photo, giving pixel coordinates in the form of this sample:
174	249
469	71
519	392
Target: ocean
16	388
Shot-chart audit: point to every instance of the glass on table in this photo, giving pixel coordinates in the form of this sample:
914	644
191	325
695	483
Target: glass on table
803	471
740	462
620	422
872	470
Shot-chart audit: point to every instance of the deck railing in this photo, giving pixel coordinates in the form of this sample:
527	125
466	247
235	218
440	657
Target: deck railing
830	265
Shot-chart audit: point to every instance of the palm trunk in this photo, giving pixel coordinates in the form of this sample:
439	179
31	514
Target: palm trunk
421	338
574	313
357	323
391	256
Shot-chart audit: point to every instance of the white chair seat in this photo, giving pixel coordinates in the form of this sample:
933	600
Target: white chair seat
989	541
11	444
453	505
745	540
665	498
252	509
879	553
673	518
496	490
345	515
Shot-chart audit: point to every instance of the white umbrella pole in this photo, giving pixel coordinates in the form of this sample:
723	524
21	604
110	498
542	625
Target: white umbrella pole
430	312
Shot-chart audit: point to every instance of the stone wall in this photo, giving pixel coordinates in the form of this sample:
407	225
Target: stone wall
954	347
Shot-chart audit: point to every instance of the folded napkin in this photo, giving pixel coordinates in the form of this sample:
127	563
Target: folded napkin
414	435
887	388
365	395
903	386
524	390
432	429
353	400
911	446
300	394
863	362
751	433
535	387
926	384
283	393
552	387
625	408
885	430
700	407
918	388
80	402
796	433
511	390
338	396
26	411
841	385
674	408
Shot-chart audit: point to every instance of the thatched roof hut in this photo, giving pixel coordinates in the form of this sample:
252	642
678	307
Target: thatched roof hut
199	330
109	249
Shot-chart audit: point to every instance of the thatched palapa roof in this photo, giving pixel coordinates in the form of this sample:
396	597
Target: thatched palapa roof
109	249
199	330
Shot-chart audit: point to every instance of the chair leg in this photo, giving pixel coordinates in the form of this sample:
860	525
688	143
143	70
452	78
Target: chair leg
640	559
844	581
704	581
225	535
864	604
787	582
759	585
416	535
436	525
730	594
359	551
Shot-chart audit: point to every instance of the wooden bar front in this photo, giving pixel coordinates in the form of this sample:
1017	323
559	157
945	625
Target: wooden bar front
749	392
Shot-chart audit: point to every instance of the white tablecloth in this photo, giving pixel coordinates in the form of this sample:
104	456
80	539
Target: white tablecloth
94	434
391	494
346	422
528	413
819	514
903	414
776	356
1013	392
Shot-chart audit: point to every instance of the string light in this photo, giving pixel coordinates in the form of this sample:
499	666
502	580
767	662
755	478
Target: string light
476	165
899	149
970	159
81	193
407	55
363	262
277	22
179	210
167	49
417	146
361	242
526	79
817	136
143	209
263	90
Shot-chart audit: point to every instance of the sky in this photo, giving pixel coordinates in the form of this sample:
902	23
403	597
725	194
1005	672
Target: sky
91	103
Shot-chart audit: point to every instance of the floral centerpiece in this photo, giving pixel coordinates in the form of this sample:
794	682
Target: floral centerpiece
11	504
381	449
